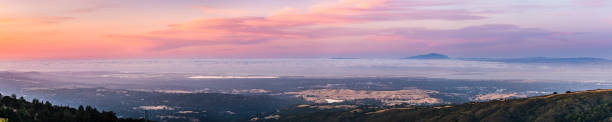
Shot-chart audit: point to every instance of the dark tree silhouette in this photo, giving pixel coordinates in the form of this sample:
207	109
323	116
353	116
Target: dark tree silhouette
20	110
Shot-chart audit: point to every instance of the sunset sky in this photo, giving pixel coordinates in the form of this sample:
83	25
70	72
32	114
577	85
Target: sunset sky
125	29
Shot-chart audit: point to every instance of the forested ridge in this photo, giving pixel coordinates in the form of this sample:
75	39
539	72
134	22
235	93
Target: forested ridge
584	106
20	110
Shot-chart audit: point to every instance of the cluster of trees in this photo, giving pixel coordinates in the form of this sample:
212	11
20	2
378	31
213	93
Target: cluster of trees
20	110
587	106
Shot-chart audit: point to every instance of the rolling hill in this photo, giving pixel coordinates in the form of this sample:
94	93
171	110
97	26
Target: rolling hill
584	106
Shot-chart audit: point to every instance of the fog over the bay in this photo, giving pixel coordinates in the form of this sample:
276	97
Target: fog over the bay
270	68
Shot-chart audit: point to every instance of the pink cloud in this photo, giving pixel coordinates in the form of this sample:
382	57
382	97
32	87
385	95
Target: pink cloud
344	27
590	3
292	24
320	30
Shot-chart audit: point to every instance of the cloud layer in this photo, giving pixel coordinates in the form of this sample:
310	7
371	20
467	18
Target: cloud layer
293	25
317	28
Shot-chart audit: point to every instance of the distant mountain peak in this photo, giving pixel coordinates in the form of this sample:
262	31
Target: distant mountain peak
342	58
429	56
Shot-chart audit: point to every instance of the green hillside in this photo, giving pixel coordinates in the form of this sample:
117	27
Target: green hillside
585	106
16	109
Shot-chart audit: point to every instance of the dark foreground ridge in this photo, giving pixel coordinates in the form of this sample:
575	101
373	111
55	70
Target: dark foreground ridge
19	110
584	106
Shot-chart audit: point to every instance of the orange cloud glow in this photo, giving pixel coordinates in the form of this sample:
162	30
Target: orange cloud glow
32	21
